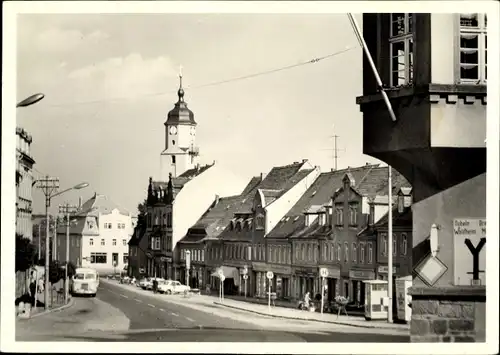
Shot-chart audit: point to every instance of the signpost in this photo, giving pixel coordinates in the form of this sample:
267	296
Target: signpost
323	272
220	272
270	276
245	277
188	265
222	278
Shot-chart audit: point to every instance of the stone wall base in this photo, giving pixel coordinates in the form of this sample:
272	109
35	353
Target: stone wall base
449	314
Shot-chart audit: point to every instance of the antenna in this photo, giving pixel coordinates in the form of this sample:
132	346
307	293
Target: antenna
335	150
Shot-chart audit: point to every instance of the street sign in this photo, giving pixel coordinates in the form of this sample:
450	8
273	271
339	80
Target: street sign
323	272
245	277
270	275
163	259
245	270
469	251
222	277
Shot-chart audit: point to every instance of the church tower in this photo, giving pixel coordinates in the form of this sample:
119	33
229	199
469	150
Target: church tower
181	153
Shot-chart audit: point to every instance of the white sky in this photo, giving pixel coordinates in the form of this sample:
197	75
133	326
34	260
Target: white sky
249	125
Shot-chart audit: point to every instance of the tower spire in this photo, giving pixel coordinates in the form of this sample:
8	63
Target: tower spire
180	93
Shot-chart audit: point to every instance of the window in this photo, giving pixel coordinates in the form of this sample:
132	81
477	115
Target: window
169	219
339	251
346	251
353	215
302	252
103	242
155	243
401	49
325	251
404	243
98	258
259	222
91	241
370	253
339	216
203	255
332	252
394	244
125	258
354	251
473	48
384	242
110	225
362	253
114	241
173	159
309	252
124	241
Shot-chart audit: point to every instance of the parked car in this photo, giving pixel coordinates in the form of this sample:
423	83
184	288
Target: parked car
171	287
149	284
144	282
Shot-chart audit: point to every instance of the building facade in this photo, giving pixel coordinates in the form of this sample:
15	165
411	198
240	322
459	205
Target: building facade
24	183
137	246
185	191
438	93
98	235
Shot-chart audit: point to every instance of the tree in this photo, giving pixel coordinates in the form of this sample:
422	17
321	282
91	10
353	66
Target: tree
25	253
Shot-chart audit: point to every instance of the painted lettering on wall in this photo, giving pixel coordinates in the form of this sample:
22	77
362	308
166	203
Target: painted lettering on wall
469	247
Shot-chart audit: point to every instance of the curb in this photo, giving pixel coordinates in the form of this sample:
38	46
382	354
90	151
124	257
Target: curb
307	319
58	309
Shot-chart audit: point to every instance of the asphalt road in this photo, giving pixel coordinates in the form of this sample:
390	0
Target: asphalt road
131	315
155	319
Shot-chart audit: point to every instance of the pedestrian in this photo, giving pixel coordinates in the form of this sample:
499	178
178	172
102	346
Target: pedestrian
155	285
307	299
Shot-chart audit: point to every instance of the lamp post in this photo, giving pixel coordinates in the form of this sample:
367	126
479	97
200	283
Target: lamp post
49	185
30	100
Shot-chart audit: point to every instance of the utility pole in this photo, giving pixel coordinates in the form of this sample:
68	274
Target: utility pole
39	241
48	185
67	210
335	150
362	42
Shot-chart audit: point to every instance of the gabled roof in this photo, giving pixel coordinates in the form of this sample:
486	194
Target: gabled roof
279	176
399	219
100	204
319	194
213	222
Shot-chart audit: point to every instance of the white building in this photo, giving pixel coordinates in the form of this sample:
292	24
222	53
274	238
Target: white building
24	182
185	191
99	235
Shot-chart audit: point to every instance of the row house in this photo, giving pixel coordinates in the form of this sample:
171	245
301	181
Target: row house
137	249
306	228
281	188
355	204
24	183
202	240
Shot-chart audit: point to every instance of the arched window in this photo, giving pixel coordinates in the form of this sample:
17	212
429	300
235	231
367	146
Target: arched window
339	251
354	251
303	252
404	243
309	253
384	243
326	251
332	252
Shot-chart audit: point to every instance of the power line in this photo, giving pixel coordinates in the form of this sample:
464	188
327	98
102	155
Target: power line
215	83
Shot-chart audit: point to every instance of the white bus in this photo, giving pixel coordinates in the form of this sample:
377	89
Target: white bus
85	282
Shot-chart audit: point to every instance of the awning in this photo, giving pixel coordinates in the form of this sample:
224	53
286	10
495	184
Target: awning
229	272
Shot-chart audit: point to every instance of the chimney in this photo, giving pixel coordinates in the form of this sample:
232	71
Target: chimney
80	202
304	160
216	200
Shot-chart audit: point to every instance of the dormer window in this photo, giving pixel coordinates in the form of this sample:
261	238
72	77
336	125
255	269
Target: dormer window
353	214
339	215
322	219
259	222
371	216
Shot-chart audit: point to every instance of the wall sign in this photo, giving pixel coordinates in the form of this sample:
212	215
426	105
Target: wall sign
469	251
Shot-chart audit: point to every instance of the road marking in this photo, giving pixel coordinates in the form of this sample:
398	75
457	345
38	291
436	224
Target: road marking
138	300
151	305
189	319
123	296
161	309
175	314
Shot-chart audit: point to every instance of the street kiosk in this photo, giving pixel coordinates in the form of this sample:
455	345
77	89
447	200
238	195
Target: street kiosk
376	300
403	298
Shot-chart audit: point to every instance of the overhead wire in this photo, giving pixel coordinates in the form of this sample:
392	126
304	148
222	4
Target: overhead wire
215	83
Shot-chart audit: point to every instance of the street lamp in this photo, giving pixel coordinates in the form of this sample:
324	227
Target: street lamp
33	99
49	186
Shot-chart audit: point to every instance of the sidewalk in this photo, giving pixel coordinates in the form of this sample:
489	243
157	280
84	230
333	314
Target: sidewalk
276	312
289	313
